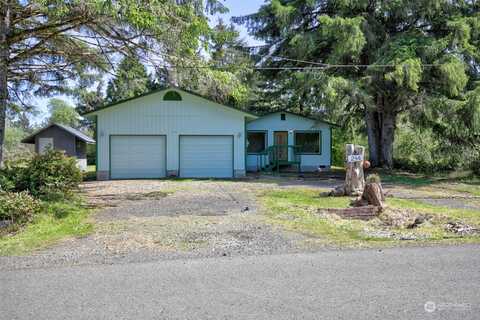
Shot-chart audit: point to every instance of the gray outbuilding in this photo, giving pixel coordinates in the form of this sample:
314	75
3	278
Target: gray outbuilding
61	137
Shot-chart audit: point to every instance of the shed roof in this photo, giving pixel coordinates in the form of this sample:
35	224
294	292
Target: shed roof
80	135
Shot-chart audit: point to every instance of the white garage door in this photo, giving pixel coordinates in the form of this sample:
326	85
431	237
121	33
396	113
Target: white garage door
206	156
137	157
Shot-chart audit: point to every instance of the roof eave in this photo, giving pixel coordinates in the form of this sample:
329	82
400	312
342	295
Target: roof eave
95	112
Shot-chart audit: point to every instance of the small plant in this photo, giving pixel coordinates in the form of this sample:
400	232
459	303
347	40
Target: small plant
18	208
373	178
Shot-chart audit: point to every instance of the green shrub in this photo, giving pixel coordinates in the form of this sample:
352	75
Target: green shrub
19	208
51	174
6	184
11	175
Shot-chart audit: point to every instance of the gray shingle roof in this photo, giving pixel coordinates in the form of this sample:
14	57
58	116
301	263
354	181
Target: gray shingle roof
80	135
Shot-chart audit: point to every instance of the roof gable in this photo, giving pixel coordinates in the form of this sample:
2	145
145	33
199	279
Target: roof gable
94	112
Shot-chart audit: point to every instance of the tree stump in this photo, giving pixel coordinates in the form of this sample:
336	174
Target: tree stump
354	179
373	194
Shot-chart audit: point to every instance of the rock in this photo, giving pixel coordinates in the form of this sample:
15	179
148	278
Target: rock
418	221
337	192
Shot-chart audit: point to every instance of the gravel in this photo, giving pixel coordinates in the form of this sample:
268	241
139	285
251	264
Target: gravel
150	220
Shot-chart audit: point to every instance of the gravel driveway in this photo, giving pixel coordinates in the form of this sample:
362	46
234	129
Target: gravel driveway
144	220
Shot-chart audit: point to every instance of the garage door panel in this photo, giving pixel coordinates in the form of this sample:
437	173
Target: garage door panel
206	156
137	157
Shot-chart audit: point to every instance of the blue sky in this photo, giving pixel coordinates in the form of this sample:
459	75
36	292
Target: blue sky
237	8
240	8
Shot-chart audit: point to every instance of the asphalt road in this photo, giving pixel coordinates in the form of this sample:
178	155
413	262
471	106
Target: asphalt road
401	283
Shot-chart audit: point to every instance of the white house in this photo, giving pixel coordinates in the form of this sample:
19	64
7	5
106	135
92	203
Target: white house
170	132
300	141
176	133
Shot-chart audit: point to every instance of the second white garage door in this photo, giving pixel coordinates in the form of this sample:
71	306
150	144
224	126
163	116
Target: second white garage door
137	157
206	156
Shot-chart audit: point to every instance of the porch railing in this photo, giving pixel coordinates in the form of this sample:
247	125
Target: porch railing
277	156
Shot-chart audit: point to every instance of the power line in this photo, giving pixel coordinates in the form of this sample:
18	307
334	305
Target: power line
310	68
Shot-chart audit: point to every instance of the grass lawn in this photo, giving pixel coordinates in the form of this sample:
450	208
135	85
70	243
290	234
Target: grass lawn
297	210
464	182
58	220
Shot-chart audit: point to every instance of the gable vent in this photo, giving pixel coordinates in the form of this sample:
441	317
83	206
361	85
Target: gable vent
172	96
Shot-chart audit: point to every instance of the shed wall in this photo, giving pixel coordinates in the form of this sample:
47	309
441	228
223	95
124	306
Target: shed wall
62	140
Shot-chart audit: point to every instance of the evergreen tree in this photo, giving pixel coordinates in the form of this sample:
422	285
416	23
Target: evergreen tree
131	79
376	59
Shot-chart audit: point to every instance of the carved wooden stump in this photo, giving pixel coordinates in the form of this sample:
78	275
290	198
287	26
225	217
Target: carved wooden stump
354	179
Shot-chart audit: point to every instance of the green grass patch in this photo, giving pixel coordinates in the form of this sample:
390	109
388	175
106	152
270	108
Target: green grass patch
90	174
58	220
298	210
295	209
407	179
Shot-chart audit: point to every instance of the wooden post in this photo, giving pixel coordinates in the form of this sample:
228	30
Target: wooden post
354	179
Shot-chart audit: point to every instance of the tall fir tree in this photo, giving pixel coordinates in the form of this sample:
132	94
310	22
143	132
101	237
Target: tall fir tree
131	79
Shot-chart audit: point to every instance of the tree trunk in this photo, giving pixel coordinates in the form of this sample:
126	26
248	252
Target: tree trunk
373	134
387	138
4	54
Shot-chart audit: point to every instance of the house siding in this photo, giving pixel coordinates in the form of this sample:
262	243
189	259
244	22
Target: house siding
292	123
150	115
62	140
